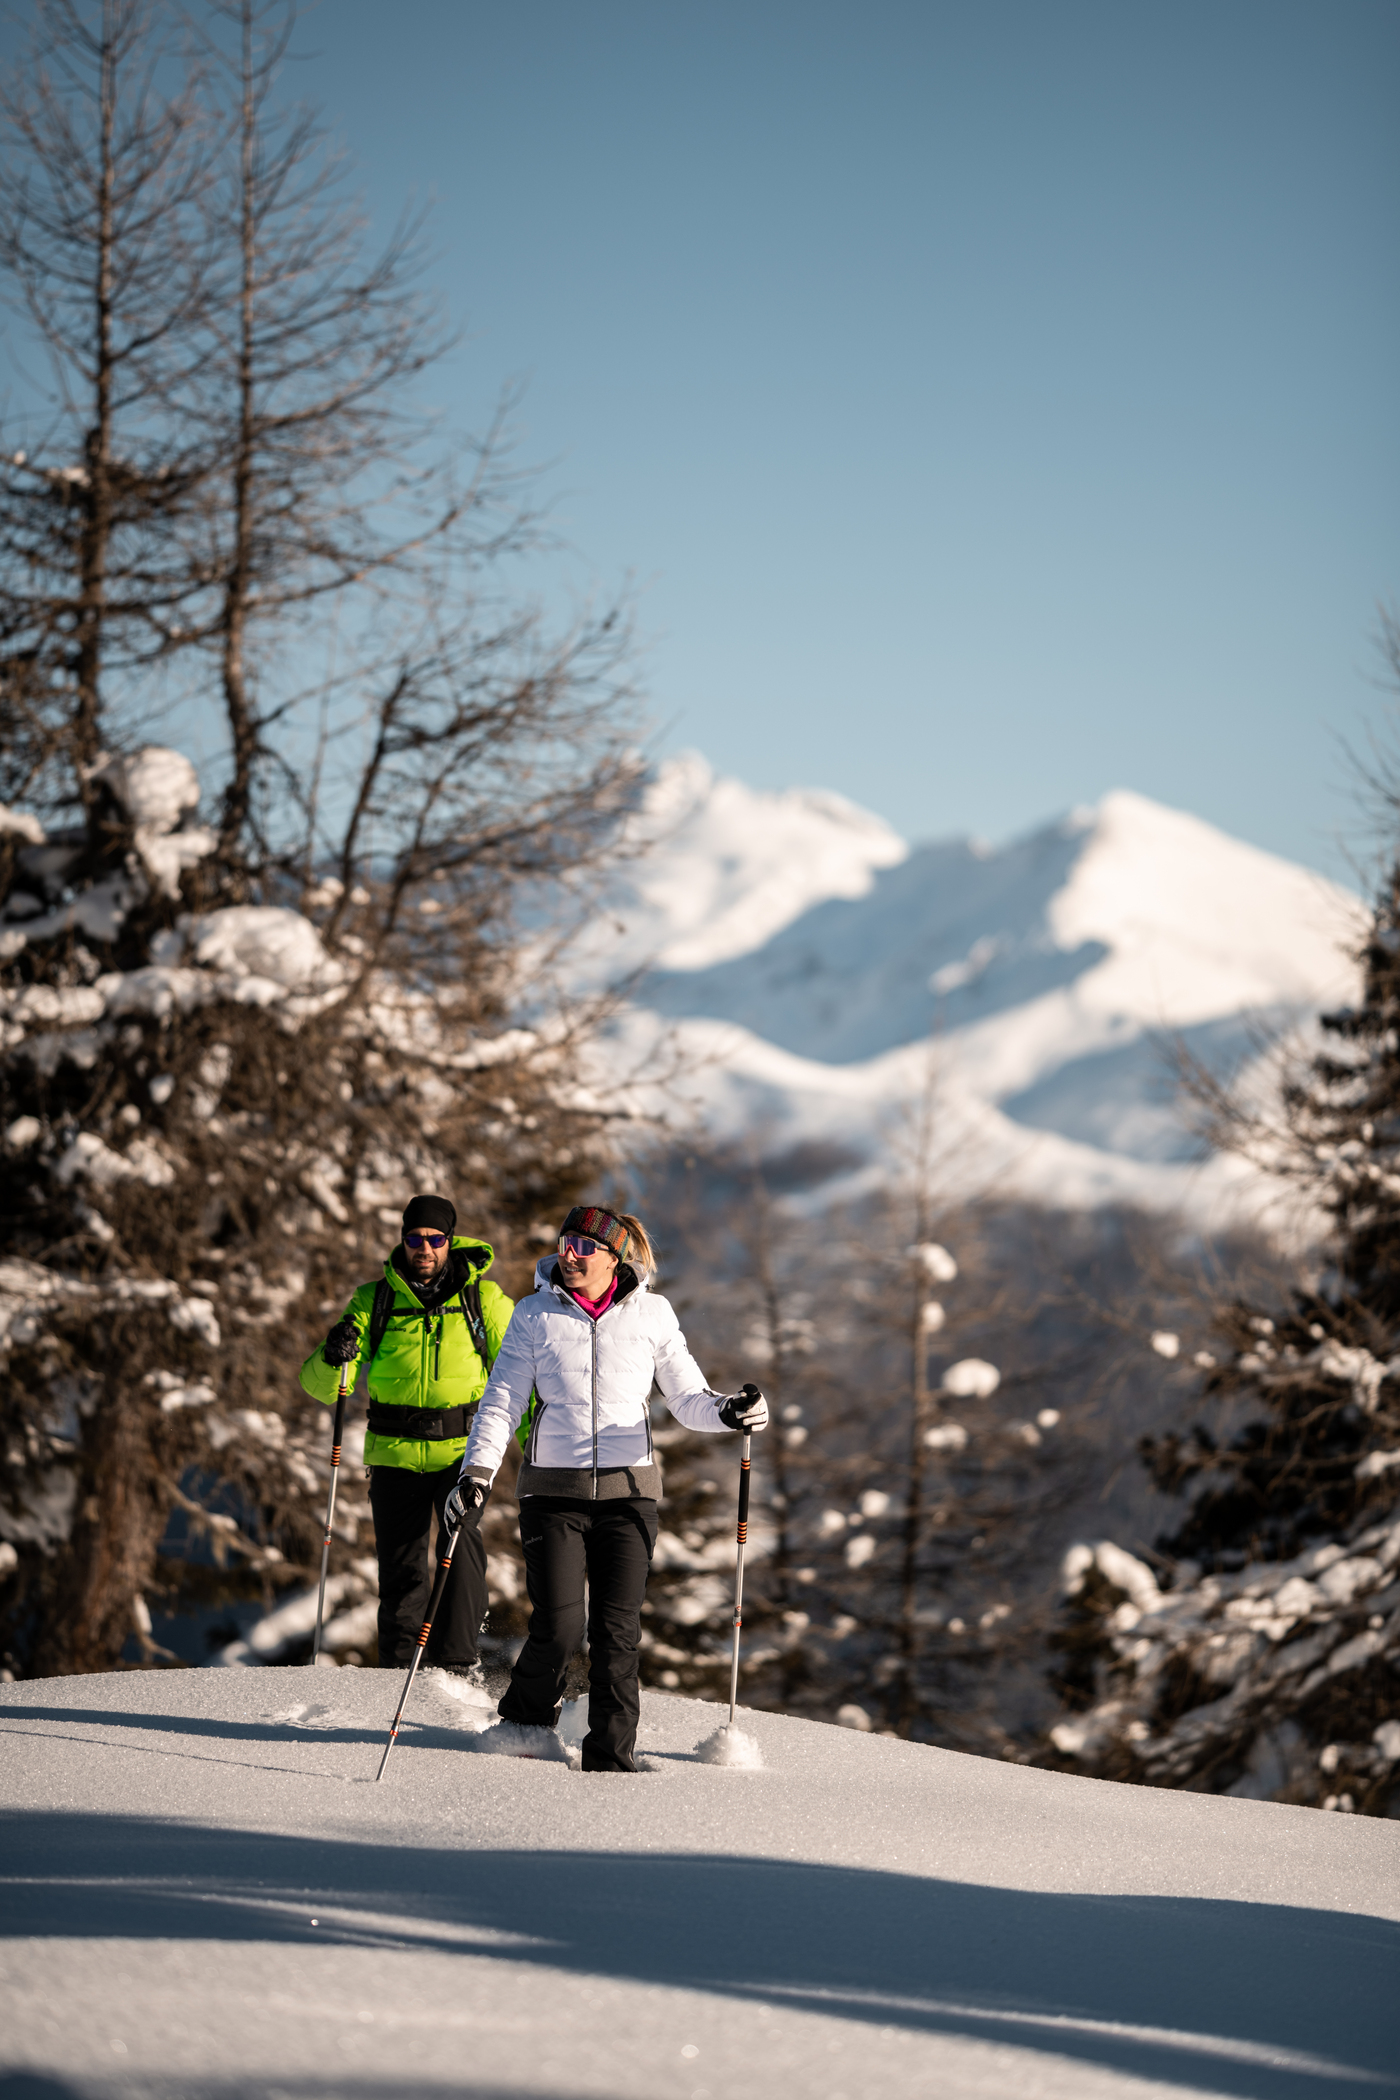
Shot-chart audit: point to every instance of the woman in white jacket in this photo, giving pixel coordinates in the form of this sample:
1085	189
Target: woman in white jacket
590	1343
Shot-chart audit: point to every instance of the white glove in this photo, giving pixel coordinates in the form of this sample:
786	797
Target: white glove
746	1410
464	1504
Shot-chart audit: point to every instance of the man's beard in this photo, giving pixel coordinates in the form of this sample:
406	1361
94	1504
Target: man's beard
426	1281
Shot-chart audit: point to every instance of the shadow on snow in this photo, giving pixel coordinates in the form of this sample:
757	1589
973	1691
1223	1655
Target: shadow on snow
424	1734
1253	1999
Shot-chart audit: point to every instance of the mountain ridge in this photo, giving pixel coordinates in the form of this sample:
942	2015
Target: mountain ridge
1042	976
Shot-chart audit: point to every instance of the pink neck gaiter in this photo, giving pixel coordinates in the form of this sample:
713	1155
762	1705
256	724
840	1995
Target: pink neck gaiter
594	1306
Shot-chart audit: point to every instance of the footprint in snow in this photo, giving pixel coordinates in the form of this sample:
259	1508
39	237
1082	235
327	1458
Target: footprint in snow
303	1717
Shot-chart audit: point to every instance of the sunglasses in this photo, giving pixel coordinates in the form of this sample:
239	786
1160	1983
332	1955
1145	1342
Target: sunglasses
579	1244
424	1239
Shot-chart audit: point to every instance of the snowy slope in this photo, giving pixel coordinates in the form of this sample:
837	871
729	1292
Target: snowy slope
1041	980
717	868
205	1893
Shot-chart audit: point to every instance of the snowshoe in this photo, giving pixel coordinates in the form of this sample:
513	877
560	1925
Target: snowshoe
515	1739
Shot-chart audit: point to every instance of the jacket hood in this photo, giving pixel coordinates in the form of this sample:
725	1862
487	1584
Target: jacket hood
466	1259
628	1278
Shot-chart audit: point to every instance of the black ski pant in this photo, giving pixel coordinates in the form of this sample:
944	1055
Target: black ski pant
611	1544
404	1505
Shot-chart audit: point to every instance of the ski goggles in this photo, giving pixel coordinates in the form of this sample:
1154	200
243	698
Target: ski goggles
579	1245
415	1240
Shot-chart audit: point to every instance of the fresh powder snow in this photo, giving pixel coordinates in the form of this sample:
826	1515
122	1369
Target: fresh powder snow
731	1747
510	1739
207	1897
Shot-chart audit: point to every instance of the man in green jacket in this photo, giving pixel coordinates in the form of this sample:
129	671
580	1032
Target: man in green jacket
438	1327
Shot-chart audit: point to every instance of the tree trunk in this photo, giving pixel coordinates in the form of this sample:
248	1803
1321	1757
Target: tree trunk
119	1518
243	727
908	1704
97	492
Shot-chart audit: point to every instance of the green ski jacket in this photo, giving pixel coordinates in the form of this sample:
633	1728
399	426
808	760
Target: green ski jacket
427	1359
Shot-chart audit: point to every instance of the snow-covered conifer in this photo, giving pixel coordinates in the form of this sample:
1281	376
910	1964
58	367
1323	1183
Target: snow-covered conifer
244	1014
1259	1654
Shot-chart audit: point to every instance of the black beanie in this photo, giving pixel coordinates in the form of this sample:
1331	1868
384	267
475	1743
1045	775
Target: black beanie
430	1213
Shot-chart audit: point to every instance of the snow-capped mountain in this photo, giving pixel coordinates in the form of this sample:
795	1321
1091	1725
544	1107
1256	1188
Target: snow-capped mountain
819	975
720	868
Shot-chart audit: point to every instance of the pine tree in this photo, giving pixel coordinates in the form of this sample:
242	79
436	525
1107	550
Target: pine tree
1267	1664
229	1050
1323	1432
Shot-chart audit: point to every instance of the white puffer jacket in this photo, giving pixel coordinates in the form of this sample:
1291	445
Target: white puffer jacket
591	1434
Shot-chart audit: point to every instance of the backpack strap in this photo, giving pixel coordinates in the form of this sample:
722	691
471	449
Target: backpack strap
469	1298
380	1314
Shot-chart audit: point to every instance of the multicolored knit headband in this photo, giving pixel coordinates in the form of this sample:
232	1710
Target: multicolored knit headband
599	1225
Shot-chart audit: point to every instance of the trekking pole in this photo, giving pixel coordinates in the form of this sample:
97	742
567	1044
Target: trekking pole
439	1585
330	1504
739	1574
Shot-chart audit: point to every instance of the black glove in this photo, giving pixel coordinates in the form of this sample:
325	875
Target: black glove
747	1410
464	1505
342	1344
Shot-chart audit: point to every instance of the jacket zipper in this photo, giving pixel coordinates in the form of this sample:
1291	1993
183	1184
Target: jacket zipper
436	1340
534	1432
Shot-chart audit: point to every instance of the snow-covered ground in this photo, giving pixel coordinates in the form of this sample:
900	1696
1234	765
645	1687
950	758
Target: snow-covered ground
206	1893
816	973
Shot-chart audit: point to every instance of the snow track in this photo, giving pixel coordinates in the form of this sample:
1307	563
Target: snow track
203	1893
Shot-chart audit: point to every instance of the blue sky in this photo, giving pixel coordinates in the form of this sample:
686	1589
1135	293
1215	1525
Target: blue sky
993	403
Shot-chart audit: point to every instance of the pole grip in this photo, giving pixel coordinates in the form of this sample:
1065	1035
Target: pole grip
745	1464
338	1426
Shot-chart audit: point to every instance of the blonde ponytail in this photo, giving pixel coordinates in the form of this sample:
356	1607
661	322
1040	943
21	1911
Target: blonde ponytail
640	1252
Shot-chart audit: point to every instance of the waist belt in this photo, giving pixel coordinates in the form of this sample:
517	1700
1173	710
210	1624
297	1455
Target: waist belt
426	1424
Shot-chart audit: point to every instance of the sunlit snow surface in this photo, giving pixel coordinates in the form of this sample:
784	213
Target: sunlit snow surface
205	1893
